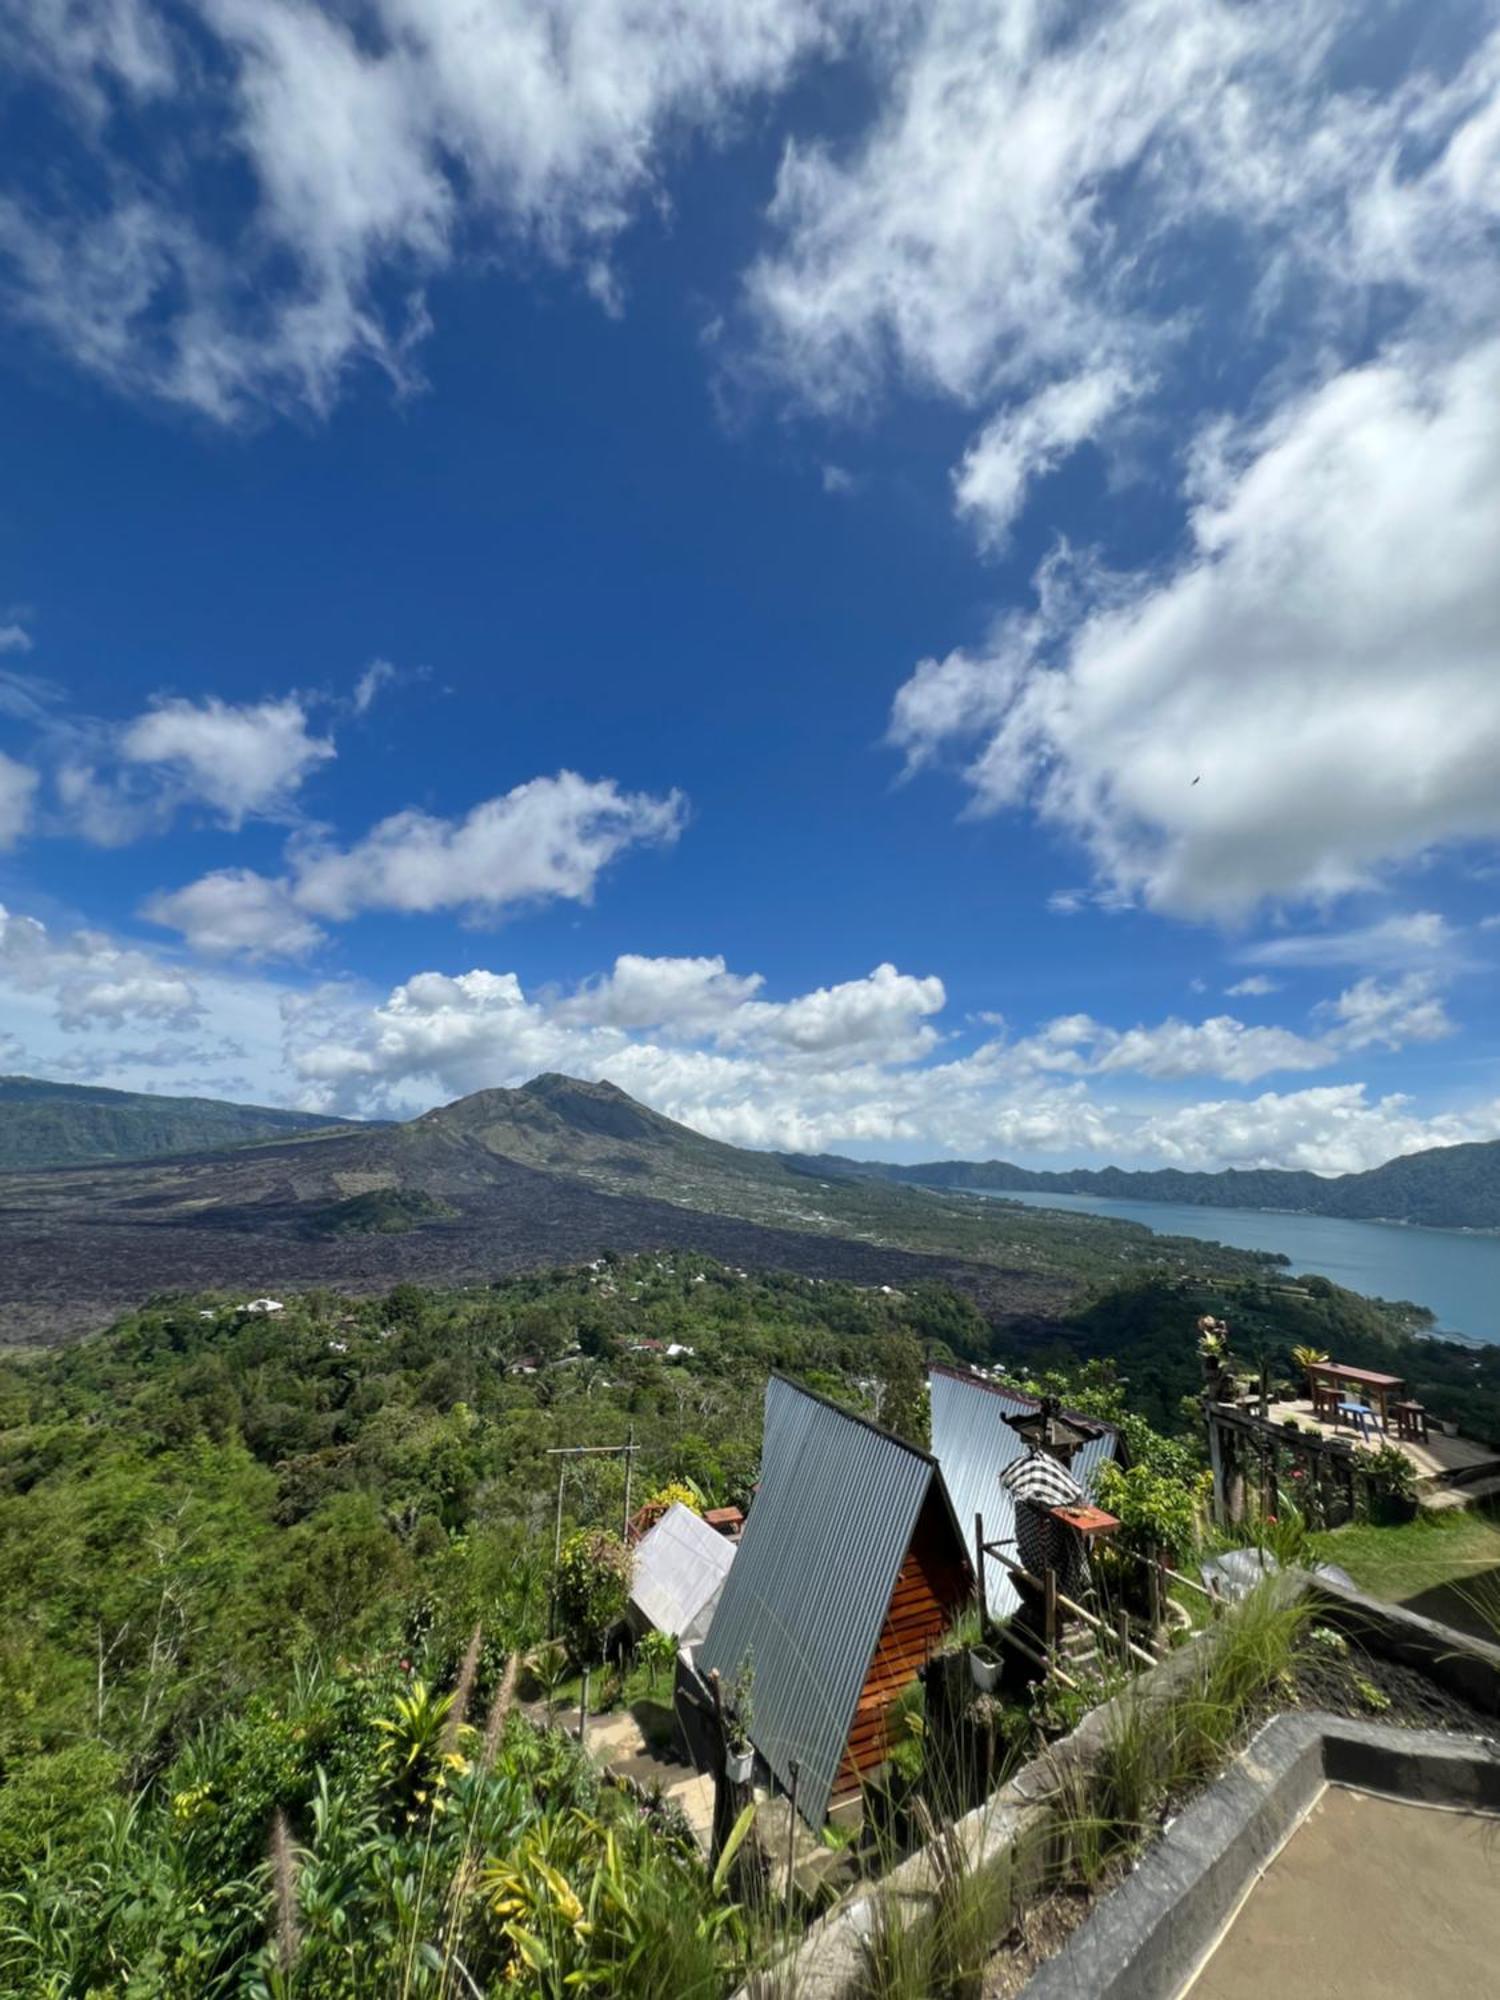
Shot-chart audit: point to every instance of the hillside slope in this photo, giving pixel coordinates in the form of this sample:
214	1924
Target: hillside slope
1445	1187
508	1180
47	1124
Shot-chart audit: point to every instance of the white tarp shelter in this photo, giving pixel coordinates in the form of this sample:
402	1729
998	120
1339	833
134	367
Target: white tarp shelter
680	1567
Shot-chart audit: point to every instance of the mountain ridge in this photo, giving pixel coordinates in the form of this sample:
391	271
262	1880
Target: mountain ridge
1439	1187
44	1123
555	1172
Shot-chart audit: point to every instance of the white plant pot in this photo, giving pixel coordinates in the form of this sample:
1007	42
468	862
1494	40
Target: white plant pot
738	1764
985	1669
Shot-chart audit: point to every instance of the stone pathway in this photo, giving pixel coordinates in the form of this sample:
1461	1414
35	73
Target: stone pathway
618	1742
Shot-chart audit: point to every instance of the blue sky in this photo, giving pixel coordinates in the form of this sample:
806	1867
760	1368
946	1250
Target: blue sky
907	578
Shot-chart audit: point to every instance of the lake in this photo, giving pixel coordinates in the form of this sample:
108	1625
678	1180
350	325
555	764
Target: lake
1453	1275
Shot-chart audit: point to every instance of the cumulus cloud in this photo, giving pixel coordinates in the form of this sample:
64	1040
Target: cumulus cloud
436	1036
18	786
1220	1046
114	782
547	840
1256	987
237	759
863	1062
89	979
1309	698
1330	1128
236	913
373	150
1369	1015
867	1062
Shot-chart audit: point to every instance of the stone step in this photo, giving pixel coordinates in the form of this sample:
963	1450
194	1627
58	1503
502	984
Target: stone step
1439	1500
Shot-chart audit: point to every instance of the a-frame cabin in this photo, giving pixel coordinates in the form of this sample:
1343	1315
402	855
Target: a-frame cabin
850	1569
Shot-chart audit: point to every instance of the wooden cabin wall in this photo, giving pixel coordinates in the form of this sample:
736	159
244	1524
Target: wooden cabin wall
930	1590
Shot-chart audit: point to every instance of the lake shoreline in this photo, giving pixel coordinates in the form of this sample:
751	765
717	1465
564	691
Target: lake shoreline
1451	1274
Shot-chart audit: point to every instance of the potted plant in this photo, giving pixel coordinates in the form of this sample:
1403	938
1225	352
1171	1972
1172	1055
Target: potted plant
984	1667
739	1752
1393	1486
1307	1359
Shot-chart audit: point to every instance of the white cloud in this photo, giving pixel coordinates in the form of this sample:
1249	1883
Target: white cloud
1028	440
14	639
1310	698
1220	1046
236	913
1419	937
1256	987
702	1057
378	674
375	150
1331	1128
89	980
858	1063
18	786
696	994
1369	1015
548	838
237	759
1011	213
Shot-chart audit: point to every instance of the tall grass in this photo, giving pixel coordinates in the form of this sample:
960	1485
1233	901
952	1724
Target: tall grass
1156	1745
935	1944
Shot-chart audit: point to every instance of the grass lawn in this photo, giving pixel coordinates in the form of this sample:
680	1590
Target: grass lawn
638	1685
1446	1566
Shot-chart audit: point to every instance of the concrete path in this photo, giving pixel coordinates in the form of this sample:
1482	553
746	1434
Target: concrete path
1370	1899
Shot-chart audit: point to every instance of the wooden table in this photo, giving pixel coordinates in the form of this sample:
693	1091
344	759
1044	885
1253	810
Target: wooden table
1381	1390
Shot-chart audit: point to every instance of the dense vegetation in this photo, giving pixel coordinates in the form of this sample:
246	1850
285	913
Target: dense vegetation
46	1124
1445	1187
244	1560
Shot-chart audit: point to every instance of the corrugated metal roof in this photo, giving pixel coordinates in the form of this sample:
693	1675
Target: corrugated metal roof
805	1601
680	1567
973	1443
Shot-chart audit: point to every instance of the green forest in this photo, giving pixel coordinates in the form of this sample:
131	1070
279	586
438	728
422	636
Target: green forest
265	1580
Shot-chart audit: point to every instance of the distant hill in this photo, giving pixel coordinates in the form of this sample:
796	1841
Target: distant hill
556	1172
46	1124
1445	1187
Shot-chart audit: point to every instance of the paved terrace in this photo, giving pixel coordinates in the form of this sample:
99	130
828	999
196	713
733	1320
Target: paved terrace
1451	1471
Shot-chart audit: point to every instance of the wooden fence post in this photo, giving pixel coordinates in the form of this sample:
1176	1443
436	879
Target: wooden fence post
1049	1609
979	1573
791	1832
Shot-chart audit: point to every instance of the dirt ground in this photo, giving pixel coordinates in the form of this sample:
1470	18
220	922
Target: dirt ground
1369	1897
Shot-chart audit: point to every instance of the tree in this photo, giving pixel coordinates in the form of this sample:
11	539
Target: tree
593	1588
903	1389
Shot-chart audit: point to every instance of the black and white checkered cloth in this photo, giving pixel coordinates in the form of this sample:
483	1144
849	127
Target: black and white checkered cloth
1036	1483
1041	1480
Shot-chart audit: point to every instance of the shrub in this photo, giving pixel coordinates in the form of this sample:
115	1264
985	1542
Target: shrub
593	1588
